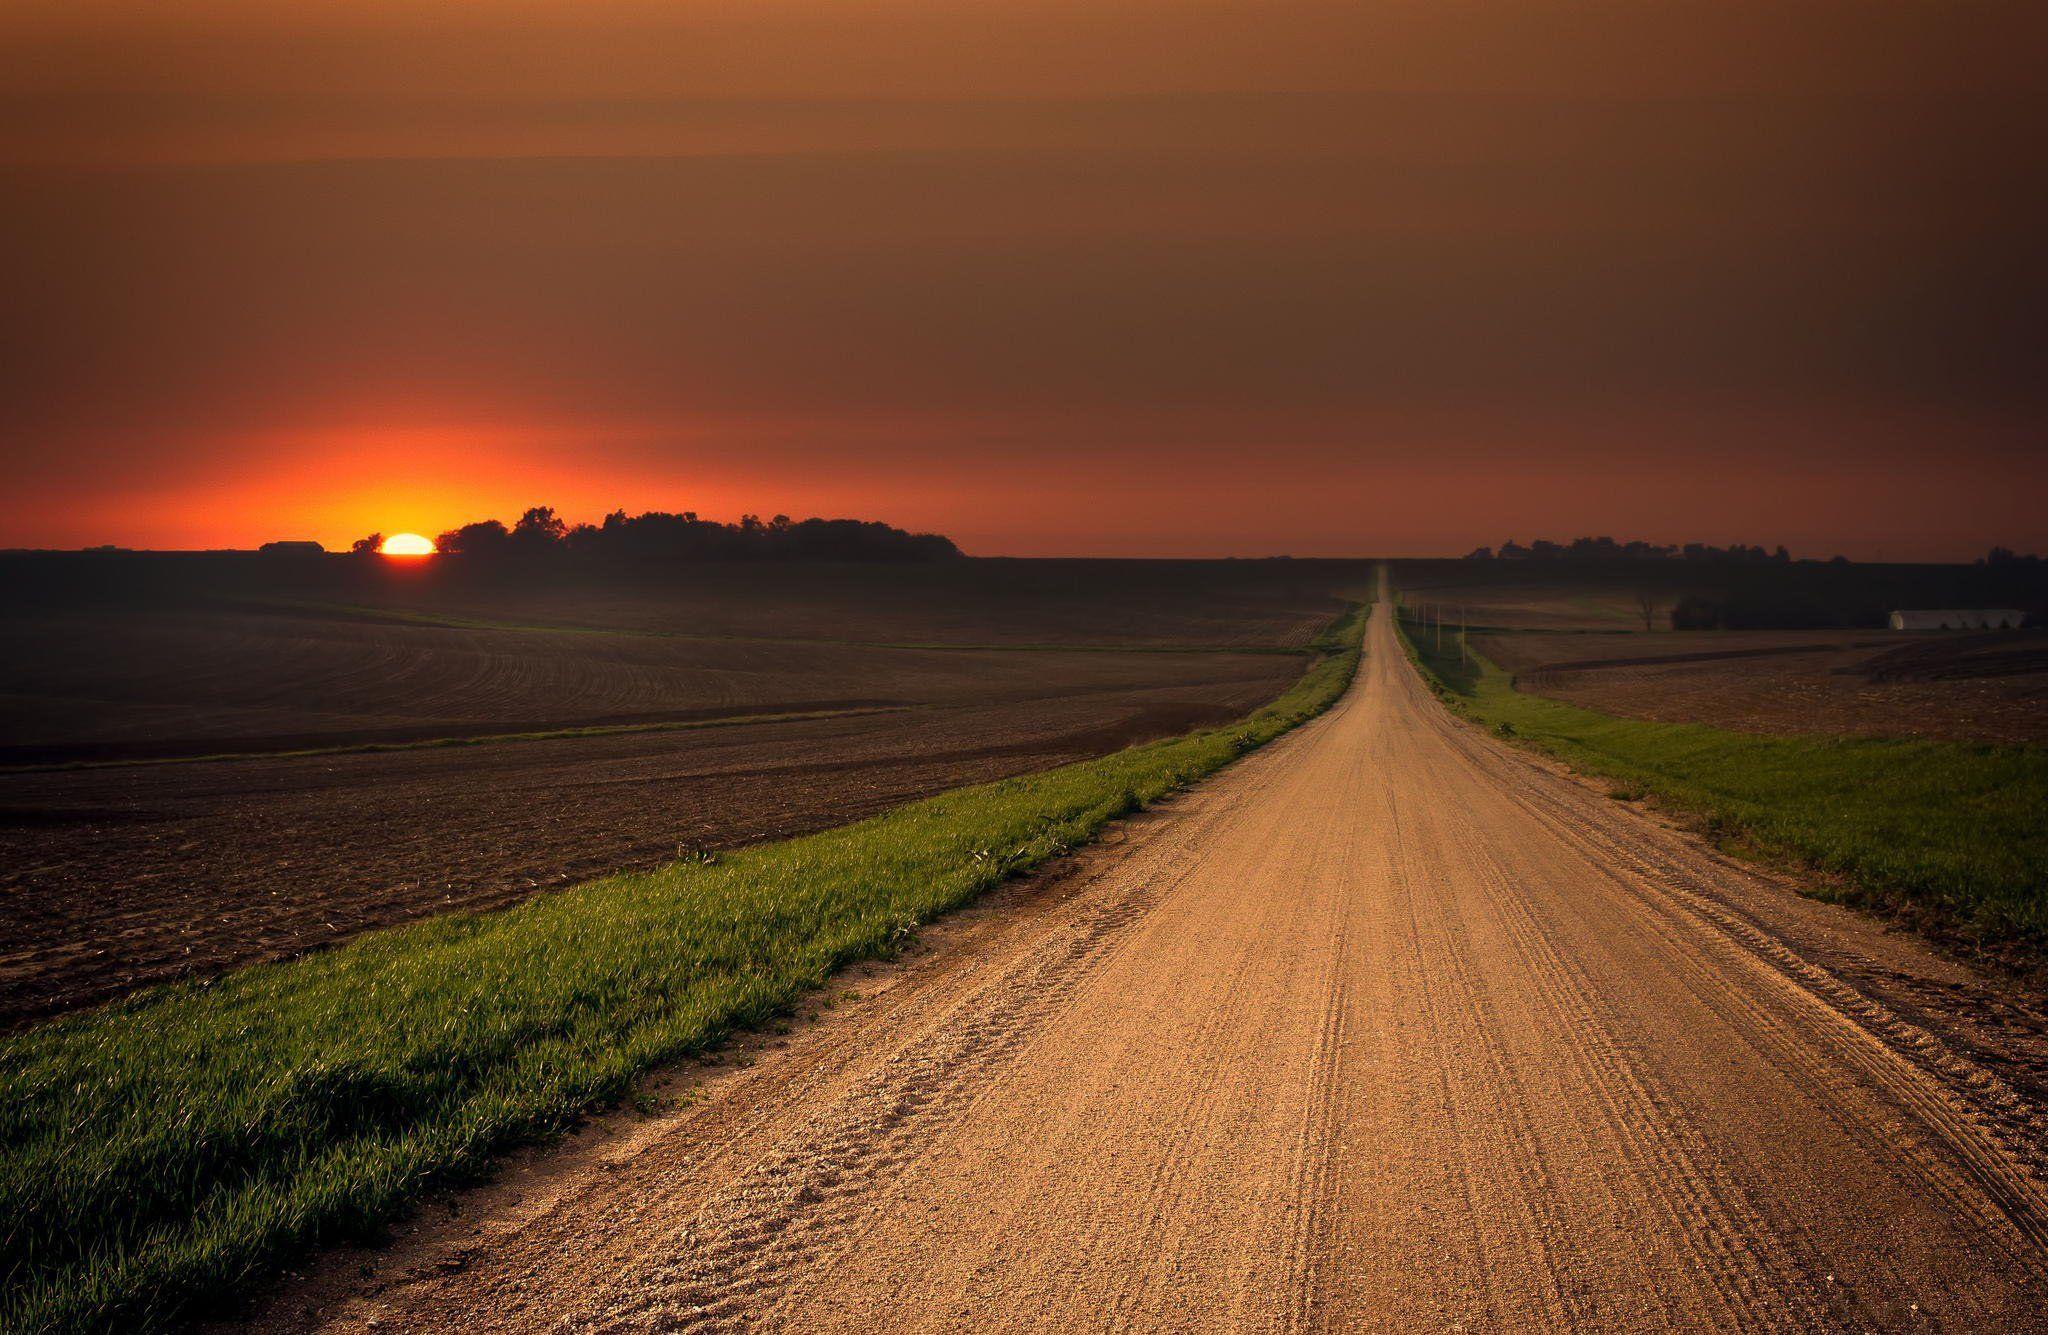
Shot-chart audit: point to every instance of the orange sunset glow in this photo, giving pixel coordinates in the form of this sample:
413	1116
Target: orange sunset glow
1127	278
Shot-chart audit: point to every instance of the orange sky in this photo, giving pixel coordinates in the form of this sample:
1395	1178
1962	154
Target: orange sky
1124	277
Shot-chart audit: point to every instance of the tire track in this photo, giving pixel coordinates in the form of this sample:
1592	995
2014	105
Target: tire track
738	1255
1691	1198
1992	1134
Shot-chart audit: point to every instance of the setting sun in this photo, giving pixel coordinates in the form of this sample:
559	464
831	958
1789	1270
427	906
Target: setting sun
407	544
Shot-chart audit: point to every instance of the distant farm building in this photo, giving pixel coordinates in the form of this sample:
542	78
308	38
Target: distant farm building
292	548
1952	618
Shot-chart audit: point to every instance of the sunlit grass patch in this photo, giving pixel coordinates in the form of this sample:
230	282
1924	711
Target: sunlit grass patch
1951	834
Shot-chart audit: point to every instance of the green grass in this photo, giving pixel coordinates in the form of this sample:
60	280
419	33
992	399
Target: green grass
173	1150
1948	834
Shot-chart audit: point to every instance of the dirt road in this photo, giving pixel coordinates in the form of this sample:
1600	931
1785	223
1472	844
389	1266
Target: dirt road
1386	1028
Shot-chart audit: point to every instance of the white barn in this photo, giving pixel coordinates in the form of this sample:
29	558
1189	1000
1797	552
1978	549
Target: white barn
1951	618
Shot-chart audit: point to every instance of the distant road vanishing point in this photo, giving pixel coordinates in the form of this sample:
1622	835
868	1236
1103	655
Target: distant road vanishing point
1387	1027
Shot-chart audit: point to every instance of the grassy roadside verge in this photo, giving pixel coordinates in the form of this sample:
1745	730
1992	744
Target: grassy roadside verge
1949	835
175	1149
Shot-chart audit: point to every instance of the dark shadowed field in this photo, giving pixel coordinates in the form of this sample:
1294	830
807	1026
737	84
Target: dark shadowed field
1990	687
210	761
1826	664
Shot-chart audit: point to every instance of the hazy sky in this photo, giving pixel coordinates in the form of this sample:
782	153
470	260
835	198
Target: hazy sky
1116	277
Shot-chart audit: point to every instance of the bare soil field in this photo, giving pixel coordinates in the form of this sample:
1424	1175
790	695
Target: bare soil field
1991	687
130	859
1557	595
97	685
1164	604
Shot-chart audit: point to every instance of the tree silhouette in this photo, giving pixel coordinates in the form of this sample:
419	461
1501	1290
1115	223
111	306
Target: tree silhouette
1607	549
542	532
486	538
539	529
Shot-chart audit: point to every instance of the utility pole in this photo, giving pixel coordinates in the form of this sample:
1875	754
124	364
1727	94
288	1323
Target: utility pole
1439	627
1464	638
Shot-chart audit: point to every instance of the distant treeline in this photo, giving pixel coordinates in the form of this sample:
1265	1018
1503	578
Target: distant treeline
1777	609
1746	588
541	532
1607	549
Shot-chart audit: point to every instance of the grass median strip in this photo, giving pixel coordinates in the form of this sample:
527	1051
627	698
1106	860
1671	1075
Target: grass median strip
1948	834
176	1148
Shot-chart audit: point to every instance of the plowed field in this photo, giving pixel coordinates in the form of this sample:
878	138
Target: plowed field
1857	683
388	748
